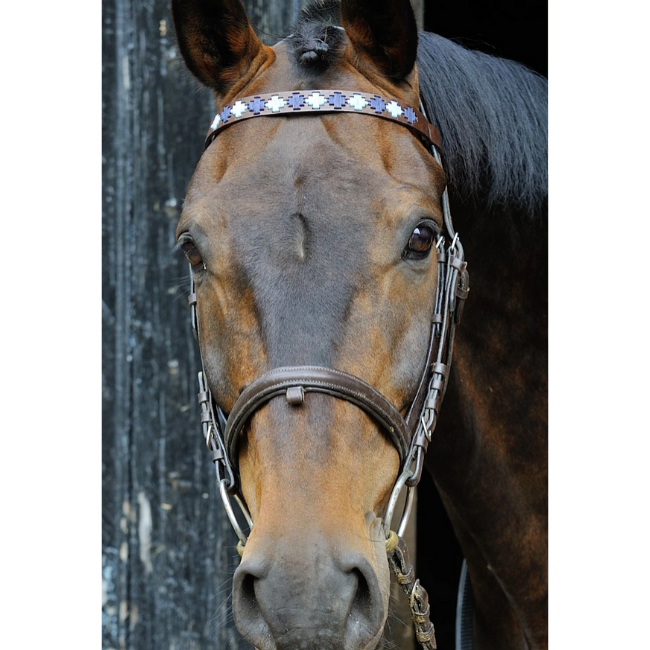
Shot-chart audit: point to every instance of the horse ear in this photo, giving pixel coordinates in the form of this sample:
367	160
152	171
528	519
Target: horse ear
383	31
216	40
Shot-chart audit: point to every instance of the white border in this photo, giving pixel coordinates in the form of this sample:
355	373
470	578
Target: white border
50	458
599	237
51	353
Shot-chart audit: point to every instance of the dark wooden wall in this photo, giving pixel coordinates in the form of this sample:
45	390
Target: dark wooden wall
166	549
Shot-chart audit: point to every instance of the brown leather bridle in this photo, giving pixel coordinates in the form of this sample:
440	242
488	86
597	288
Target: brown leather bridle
411	435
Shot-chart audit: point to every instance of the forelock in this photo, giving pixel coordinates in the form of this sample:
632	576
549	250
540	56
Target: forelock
317	39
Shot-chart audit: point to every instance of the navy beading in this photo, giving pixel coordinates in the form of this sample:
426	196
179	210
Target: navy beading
296	101
337	100
378	104
256	106
225	114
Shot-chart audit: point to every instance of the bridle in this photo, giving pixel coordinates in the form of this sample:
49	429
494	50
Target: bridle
411	435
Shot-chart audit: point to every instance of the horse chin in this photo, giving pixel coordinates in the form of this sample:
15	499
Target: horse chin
356	636
370	644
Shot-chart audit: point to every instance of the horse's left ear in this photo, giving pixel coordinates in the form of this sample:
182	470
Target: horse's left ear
383	32
216	40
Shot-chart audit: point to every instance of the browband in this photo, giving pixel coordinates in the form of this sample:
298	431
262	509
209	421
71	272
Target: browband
307	102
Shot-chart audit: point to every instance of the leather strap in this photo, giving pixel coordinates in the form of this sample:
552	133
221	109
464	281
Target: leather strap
400	562
315	379
309	102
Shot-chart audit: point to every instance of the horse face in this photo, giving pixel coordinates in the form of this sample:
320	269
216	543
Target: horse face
310	242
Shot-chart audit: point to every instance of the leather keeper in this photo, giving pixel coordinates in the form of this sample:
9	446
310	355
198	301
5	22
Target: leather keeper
437	383
217	454
461	293
295	395
401	562
433	401
457	263
440	368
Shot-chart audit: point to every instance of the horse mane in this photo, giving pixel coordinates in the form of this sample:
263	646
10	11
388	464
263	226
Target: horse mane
492	117
491	112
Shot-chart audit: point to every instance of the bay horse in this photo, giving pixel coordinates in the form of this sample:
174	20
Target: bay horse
313	241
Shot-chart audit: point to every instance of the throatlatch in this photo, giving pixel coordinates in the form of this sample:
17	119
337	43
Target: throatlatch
411	435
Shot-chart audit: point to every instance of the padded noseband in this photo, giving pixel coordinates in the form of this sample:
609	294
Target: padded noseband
294	382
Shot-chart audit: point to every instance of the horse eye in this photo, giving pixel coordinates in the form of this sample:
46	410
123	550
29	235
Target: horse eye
192	253
420	242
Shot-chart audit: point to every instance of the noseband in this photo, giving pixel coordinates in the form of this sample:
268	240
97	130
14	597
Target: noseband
410	435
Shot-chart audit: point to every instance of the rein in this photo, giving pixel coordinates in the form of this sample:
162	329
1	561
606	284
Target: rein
411	435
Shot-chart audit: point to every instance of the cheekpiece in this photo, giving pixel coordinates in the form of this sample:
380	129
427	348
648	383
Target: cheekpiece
323	101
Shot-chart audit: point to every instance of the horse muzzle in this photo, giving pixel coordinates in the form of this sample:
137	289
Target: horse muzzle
311	596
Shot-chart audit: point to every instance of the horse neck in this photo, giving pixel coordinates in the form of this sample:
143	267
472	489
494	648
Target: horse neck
488	454
495	408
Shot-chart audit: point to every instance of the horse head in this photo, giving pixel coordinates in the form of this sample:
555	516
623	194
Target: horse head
312	243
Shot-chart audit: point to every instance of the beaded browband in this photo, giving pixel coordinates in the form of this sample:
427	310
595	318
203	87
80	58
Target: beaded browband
323	101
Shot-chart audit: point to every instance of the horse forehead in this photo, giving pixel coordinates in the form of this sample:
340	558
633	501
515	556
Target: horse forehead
310	184
292	165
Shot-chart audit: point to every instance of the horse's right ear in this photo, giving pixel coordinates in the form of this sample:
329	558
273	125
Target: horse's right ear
216	40
384	33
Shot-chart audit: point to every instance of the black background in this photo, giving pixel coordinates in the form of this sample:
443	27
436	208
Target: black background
506	28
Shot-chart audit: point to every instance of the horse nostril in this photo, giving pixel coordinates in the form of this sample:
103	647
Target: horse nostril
247	613
366	617
248	598
362	601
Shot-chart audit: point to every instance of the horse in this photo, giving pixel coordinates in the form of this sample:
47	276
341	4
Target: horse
313	240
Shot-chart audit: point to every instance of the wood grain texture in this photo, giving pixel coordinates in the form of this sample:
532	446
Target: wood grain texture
168	550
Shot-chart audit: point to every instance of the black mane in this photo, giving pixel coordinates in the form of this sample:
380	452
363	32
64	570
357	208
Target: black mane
492	116
491	112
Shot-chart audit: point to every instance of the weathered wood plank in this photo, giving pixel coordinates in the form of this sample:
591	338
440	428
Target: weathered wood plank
167	549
